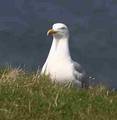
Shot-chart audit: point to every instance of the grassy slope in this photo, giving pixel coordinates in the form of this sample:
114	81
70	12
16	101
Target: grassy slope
27	97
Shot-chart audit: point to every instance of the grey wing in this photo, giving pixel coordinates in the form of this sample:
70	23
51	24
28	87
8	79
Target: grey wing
80	75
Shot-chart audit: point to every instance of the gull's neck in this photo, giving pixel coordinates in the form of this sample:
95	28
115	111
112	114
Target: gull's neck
62	47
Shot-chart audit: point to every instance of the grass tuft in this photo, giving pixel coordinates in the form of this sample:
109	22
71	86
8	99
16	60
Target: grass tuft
28	96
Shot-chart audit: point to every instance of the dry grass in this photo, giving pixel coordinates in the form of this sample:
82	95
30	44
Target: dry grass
26	96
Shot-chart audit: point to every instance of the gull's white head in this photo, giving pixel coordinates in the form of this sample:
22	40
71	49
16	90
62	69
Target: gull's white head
59	30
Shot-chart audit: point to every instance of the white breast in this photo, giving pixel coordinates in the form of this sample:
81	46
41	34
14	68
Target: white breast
60	70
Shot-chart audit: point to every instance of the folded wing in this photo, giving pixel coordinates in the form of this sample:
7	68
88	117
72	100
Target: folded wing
80	75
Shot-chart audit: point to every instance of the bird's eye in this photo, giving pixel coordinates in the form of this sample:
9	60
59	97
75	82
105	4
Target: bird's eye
63	28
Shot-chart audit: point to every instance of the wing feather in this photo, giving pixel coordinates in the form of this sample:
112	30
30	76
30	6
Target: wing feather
80	74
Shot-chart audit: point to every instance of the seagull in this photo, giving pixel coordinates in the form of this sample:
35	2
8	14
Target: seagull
59	64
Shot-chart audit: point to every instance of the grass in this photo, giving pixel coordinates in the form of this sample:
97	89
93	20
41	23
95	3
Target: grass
25	96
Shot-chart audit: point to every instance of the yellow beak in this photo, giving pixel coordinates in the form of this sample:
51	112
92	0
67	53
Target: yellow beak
51	32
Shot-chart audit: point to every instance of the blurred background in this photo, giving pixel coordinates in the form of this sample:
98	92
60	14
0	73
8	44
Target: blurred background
93	34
